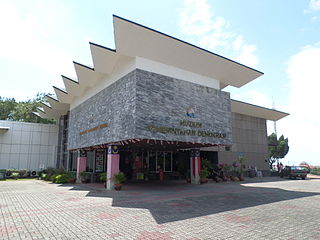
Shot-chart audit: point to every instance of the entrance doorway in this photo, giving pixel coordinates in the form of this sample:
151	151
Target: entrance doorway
148	165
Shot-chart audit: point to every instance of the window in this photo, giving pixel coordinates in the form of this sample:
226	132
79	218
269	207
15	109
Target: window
90	158
160	161
73	155
99	158
168	162
152	161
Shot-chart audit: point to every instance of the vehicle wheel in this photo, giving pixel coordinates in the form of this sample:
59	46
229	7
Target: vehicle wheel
303	178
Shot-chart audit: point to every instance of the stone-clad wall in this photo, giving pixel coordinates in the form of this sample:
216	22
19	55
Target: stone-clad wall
115	106
142	99
163	102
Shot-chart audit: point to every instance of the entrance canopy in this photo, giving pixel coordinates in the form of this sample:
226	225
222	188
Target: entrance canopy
151	145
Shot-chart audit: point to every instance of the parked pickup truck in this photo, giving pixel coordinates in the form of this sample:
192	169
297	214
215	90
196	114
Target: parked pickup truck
294	172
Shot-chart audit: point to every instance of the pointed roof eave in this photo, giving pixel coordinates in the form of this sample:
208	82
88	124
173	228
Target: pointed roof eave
133	40
73	87
62	95
87	77
55	104
104	59
43	114
51	111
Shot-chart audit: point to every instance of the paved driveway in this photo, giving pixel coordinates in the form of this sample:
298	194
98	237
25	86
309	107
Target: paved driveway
268	208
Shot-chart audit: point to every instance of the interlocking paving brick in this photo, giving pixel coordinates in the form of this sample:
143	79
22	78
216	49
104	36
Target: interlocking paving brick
267	208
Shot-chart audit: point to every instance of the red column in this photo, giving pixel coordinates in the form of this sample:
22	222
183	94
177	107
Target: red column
81	164
112	165
195	165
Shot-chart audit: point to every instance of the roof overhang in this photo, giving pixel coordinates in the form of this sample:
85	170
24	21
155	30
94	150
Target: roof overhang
133	40
256	111
104	59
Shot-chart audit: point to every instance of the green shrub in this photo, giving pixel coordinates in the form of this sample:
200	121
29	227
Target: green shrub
63	178
119	178
15	175
22	172
43	176
204	173
103	177
49	173
315	171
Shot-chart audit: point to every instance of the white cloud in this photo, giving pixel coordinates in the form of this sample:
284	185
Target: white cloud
246	55
314	5
302	127
195	18
213	32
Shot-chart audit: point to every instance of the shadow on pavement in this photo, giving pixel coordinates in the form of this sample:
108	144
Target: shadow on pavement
168	202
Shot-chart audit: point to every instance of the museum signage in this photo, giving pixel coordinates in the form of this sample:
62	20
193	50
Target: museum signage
94	129
186	132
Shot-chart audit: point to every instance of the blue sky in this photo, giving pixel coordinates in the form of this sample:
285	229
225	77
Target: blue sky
40	39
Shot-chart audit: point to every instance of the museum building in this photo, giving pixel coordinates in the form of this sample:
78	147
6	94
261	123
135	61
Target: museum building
156	103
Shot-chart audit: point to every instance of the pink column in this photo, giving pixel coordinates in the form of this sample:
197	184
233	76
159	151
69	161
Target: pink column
112	165
81	165
195	166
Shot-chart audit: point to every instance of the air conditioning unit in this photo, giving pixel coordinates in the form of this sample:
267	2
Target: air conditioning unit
34	173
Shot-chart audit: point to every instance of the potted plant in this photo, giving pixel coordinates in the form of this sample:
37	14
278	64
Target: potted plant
103	178
119	178
83	177
71	176
204	173
242	167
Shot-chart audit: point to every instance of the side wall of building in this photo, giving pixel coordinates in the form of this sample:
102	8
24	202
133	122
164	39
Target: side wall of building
249	138
30	146
106	117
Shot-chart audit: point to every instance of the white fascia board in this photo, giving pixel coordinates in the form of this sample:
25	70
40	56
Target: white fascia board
55	104
86	76
62	95
134	40
73	87
104	59
256	111
174	72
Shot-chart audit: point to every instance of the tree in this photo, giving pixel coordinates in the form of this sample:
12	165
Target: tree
6	107
22	111
277	148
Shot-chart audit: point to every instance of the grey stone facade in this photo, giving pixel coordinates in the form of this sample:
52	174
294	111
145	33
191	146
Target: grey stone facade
151	106
162	110
249	138
115	106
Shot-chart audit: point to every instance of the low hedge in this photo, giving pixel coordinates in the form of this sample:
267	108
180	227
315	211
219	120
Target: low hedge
315	171
68	177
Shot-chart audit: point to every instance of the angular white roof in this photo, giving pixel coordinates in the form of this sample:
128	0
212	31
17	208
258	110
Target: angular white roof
256	111
133	40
